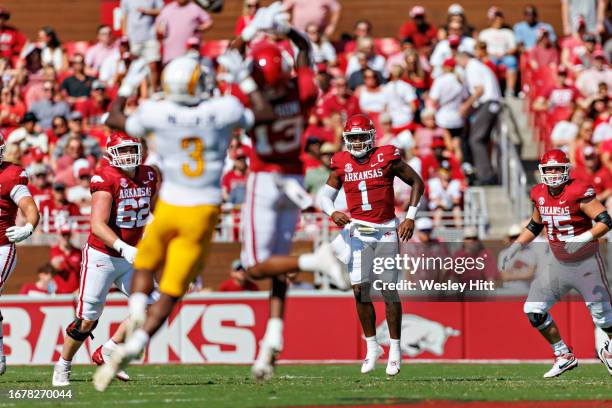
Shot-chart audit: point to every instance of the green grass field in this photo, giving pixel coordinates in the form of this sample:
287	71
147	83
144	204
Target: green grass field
231	386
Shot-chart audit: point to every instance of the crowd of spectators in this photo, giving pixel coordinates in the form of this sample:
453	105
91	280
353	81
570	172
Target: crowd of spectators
433	91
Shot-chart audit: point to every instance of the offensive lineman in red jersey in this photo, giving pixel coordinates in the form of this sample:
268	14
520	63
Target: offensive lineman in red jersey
574	222
14	195
123	193
275	194
366	173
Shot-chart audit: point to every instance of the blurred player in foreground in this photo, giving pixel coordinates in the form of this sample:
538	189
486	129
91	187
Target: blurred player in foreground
567	208
14	195
123	193
366	173
191	138
275	193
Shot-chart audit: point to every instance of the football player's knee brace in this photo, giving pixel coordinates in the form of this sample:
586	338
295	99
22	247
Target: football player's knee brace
540	320
74	330
602	319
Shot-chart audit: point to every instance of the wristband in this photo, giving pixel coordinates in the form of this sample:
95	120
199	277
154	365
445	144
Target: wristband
411	213
248	86
118	245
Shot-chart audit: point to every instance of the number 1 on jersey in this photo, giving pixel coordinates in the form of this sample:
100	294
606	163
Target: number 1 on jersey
365	204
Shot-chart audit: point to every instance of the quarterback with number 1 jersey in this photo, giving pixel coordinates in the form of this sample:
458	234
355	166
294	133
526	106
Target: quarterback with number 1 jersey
368	185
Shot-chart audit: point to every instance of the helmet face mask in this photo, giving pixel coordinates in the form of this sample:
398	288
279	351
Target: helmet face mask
359	143
359	134
554	175
554	168
124	152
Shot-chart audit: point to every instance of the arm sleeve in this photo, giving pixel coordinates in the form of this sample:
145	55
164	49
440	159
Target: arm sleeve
325	199
18	192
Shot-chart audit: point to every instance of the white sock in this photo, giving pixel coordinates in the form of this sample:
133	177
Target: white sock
307	262
371	343
395	352
109	346
274	329
64	363
138	302
560	348
137	342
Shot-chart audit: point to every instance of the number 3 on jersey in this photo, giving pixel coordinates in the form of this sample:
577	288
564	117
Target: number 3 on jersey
365	204
196	153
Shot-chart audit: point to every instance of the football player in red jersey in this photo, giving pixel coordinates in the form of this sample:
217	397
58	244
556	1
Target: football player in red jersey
14	195
366	173
574	221
123	193
275	193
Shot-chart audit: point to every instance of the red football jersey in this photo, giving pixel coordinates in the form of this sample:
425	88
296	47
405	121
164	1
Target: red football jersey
277	145
132	202
368	185
563	217
11	175
58	215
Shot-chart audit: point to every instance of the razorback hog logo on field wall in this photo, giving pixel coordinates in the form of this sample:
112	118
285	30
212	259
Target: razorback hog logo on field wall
418	335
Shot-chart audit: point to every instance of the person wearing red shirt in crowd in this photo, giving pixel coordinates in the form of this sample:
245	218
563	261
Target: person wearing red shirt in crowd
40	182
233	183
423	34
544	54
57	211
238	280
44	284
562	96
361	29
586	170
96	105
66	261
11	108
338	100
312	150
11	40
431	163
249	8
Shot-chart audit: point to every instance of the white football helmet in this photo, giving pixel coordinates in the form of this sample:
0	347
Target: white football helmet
182	80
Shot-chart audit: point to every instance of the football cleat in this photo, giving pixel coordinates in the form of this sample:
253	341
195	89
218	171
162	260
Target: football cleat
2	365
369	364
118	360
331	266
99	357
61	377
563	363
263	368
605	356
393	367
